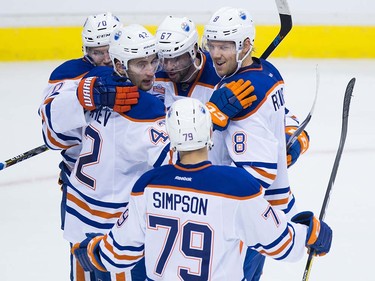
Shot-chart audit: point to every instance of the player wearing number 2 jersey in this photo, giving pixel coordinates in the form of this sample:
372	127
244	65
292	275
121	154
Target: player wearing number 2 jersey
189	219
64	80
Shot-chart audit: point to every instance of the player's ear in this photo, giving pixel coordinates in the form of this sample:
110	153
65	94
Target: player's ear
246	45
119	68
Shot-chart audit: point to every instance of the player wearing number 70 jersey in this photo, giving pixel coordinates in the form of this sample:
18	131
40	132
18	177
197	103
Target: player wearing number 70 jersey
188	219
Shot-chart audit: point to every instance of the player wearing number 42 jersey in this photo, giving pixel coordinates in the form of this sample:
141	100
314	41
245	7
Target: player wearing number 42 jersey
188	219
124	137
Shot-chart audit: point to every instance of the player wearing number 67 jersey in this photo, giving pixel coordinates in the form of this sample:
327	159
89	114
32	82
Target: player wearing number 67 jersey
189	219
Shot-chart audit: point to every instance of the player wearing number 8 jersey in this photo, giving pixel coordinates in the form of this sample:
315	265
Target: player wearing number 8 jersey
255	136
189	219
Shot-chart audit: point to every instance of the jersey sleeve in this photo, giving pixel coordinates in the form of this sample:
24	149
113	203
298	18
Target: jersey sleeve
268	231
61	114
256	138
60	110
123	247
290	118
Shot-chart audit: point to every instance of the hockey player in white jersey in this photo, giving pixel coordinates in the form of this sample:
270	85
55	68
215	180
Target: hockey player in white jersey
117	147
95	44
60	99
57	100
254	136
189	220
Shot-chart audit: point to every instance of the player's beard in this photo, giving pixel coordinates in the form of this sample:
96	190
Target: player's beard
181	75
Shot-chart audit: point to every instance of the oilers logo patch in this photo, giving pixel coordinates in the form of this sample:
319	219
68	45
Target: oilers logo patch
158	89
117	35
242	15
185	27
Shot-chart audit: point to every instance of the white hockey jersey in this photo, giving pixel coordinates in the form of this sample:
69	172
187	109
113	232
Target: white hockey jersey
255	138
188	222
58	100
116	150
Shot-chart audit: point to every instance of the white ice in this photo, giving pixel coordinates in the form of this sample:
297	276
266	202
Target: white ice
32	247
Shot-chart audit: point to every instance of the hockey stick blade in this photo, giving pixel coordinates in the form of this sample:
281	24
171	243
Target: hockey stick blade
344	130
23	156
285	27
304	123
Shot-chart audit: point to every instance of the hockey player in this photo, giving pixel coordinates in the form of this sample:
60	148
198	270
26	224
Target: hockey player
187	71
56	131
118	145
95	45
60	100
254	136
190	219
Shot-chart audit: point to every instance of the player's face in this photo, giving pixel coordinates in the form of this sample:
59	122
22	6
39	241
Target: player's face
179	68
142	71
99	55
223	54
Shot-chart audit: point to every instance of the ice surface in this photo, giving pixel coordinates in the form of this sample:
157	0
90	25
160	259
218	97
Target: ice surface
32	247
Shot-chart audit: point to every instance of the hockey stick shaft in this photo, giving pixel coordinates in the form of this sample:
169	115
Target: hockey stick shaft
304	123
23	156
285	27
344	130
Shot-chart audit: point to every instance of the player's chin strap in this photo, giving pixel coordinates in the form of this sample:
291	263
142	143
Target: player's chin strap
239	63
89	59
197	67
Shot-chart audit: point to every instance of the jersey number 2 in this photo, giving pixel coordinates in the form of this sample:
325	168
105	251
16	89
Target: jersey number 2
89	158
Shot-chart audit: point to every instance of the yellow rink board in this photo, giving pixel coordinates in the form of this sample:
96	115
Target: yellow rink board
59	43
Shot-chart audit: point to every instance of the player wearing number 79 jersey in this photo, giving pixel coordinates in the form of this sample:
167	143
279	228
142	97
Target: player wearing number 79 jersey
188	219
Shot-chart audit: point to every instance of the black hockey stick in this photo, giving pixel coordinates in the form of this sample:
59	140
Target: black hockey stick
23	156
344	129
304	123
285	26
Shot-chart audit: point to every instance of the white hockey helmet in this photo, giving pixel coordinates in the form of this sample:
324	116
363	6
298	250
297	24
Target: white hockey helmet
230	24
177	36
131	42
97	30
189	125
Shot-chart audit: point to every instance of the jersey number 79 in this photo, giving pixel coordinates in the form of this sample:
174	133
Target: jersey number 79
186	236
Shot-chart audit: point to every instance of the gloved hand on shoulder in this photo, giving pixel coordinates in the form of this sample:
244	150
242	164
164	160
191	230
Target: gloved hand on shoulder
319	234
228	101
97	92
299	147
